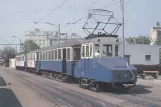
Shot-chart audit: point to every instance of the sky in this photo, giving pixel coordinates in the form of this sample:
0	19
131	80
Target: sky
17	16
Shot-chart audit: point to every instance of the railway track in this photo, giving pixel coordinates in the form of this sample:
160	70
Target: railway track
139	100
62	97
129	100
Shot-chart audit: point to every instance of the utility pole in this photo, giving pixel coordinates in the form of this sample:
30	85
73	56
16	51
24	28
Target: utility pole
20	41
59	32
20	45
123	42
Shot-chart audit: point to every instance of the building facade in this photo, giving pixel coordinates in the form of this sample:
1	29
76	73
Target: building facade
155	33
142	54
41	38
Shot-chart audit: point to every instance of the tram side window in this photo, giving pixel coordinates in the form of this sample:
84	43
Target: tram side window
116	50
53	54
107	50
43	55
56	54
76	53
30	57
59	53
90	54
87	51
34	57
83	51
68	53
48	55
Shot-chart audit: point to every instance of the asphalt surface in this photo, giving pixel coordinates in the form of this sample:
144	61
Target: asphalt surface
7	97
70	95
57	94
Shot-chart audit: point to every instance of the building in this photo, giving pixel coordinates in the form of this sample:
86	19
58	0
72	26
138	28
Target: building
48	38
155	32
140	54
42	38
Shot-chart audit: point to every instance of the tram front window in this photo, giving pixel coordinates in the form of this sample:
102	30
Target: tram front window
107	50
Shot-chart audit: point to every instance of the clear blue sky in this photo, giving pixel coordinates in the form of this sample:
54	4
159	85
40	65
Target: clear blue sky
17	16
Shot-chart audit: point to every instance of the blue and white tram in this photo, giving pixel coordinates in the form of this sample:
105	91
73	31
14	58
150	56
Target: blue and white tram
101	64
20	61
59	60
32	61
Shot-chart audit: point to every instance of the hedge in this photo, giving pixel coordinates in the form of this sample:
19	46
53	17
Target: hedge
141	68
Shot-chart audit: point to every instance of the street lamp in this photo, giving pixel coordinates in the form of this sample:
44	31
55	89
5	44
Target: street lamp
20	41
58	26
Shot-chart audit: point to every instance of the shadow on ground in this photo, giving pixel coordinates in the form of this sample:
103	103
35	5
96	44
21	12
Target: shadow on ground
2	82
138	89
8	99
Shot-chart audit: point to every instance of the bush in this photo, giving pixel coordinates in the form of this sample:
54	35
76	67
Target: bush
141	68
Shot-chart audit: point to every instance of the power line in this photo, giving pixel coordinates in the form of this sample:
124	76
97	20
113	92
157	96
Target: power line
127	1
5	40
49	13
82	17
109	4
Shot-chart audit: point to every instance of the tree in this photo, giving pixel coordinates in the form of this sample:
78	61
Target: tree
158	41
138	40
29	45
7	53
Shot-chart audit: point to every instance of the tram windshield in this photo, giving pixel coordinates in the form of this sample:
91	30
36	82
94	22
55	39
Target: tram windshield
106	50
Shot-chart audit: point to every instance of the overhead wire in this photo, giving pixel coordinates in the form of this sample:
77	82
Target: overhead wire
49	14
109	4
82	17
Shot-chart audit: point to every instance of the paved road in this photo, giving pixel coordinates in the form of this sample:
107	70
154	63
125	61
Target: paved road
57	94
70	95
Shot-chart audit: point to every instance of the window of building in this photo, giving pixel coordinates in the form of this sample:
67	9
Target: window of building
56	54
107	50
76	53
116	50
147	57
127	58
59	53
87	51
68	53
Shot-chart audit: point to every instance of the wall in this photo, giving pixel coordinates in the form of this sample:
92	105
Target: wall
137	53
153	35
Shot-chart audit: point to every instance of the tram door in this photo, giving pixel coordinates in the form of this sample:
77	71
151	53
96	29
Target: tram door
64	63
